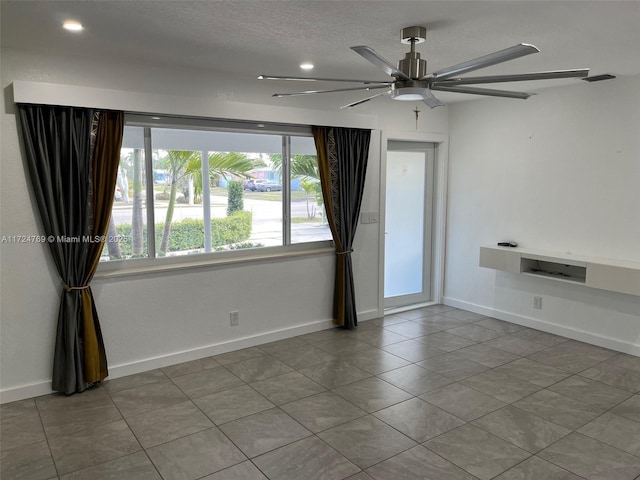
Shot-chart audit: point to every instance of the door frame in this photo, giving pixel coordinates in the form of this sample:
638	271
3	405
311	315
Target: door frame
441	167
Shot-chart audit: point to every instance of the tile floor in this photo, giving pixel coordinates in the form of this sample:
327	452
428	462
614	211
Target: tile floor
436	393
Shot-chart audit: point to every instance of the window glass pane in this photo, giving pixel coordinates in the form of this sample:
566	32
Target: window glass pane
127	236
308	219
214	189
263	194
404	225
190	203
178	214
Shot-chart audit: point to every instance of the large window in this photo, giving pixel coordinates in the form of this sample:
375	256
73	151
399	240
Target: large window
210	187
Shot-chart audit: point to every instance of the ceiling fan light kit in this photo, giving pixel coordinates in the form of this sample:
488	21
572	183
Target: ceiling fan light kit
411	82
408	91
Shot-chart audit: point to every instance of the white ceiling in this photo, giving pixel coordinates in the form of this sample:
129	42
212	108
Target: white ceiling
251	37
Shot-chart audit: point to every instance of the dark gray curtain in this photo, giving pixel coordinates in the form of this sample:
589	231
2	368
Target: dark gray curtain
73	184
343	154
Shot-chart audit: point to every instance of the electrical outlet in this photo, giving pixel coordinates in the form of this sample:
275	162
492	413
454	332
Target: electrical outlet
537	302
234	318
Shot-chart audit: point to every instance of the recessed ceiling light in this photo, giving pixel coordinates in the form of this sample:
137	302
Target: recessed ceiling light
72	26
306	66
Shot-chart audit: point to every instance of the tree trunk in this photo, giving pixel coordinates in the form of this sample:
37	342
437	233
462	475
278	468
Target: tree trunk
164	245
113	247
137	222
123	184
311	210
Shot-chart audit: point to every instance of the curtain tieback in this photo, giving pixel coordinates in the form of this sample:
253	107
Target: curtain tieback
345	252
69	289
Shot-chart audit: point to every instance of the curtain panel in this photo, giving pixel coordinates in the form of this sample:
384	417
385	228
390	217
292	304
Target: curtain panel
343	154
72	155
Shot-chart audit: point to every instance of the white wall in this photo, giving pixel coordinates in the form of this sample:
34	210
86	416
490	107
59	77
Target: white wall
158	319
558	172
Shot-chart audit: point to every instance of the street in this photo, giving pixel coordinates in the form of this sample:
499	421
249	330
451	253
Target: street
267	218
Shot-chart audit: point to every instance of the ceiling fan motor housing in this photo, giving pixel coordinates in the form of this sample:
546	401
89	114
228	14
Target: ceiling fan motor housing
412	65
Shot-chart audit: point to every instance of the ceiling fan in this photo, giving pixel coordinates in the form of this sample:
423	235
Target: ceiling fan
411	81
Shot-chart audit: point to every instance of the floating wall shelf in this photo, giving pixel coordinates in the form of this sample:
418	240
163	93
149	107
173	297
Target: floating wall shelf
613	275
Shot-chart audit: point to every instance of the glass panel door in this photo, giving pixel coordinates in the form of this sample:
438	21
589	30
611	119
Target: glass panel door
408	217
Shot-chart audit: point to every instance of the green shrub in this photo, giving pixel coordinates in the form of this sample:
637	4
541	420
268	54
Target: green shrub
188	234
235	200
233	229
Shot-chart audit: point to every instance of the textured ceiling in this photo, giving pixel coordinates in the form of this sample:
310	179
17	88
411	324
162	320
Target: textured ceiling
250	37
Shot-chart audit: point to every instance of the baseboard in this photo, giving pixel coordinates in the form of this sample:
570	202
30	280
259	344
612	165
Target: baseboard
116	371
569	332
25	391
369	315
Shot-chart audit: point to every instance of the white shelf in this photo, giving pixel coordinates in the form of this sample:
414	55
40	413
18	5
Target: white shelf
606	274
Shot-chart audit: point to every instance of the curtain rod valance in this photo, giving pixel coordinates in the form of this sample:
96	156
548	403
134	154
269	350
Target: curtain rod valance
152	103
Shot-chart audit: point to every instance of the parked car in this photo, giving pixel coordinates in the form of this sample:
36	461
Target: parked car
268	186
255	184
249	184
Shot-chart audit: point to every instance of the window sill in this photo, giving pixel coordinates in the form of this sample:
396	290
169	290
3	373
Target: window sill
125	268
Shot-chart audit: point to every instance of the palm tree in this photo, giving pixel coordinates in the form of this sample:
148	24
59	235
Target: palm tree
230	163
137	221
132	161
310	188
184	163
177	162
304	167
301	166
221	164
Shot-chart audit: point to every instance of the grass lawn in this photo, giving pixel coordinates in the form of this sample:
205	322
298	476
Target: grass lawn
296	195
306	220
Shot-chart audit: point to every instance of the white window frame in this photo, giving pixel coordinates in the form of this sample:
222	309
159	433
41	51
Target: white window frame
152	263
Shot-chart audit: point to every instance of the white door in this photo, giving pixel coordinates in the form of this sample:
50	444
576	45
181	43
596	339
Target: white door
408	223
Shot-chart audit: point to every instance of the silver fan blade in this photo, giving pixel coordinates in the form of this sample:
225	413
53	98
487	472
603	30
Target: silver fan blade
311	92
483	91
364	100
500	56
432	100
520	77
307	79
372	56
